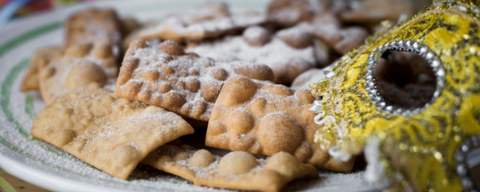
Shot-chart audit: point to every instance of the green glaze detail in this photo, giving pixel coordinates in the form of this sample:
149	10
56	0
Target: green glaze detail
29	106
5	101
27	36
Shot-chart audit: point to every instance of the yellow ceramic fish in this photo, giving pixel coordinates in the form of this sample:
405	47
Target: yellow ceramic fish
428	148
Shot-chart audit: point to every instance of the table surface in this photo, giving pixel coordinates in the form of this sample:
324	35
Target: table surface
20	185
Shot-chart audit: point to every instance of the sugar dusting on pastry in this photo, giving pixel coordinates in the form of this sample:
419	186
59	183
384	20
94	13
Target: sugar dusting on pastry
168	77
285	61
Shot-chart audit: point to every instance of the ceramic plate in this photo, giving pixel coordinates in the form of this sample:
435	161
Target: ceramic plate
43	164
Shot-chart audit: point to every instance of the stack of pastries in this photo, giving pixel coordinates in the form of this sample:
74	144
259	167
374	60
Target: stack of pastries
119	93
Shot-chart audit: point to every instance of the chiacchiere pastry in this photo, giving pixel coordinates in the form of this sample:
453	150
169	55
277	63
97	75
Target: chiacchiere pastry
235	170
113	135
308	77
342	40
288	13
76	66
39	61
426	148
288	53
208	21
185	83
93	25
266	118
376	11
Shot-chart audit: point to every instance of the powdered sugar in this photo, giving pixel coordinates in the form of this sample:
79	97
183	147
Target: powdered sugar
295	32
209	171
67	72
198	25
153	59
96	24
305	79
253	32
196	81
111	133
275	54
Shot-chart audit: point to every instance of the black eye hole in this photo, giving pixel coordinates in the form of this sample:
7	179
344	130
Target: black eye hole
405	79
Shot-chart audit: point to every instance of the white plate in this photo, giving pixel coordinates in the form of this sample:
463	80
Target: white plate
47	166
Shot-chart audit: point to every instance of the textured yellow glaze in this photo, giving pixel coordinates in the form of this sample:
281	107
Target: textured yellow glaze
419	147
